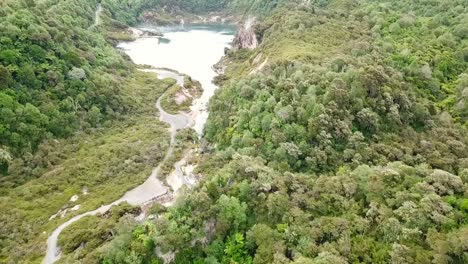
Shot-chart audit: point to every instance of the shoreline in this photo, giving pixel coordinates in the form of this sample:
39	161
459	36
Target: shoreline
176	179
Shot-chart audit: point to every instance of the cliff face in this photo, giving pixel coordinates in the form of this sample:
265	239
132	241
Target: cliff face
246	37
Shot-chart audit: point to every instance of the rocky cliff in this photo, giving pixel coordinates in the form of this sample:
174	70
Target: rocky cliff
246	37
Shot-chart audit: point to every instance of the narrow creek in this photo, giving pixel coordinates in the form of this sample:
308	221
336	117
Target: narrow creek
191	50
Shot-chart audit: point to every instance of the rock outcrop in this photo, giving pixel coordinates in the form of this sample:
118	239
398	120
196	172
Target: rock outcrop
246	37
143	33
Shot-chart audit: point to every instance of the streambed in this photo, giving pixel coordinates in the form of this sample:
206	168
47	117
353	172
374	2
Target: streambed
191	50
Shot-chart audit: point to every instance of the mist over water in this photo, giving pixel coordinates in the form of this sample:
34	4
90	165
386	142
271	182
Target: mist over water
192	50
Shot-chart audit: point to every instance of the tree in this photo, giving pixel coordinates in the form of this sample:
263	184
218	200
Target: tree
231	213
368	120
5	159
401	254
328	258
235	251
461	30
267	243
94	116
27	77
445	182
5	77
9	56
77	74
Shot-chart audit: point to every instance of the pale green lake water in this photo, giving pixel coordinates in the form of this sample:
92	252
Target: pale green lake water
191	50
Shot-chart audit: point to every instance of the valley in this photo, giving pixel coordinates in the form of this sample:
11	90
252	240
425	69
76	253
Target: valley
234	131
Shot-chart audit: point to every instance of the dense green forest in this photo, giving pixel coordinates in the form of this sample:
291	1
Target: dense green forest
129	12
349	146
52	72
75	117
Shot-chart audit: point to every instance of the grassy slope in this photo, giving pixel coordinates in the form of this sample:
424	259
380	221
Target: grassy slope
89	239
320	40
95	230
108	161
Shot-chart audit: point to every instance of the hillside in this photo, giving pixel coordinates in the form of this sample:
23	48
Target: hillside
345	143
341	138
56	75
77	119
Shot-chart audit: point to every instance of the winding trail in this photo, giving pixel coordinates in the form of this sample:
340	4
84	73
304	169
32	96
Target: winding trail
97	16
151	189
207	51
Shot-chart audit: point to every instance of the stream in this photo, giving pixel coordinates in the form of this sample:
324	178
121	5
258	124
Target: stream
191	50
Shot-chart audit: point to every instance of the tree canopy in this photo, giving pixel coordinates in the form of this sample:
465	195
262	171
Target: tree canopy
348	147
341	138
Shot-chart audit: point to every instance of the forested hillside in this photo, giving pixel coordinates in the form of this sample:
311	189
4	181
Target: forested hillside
349	146
56	74
130	12
76	118
341	138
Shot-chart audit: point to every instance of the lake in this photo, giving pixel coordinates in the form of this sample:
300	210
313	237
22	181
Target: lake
191	50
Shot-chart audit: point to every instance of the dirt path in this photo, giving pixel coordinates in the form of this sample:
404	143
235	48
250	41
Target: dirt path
151	189
97	16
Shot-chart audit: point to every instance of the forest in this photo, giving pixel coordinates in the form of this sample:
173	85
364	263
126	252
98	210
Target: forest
130	12
56	76
349	146
76	118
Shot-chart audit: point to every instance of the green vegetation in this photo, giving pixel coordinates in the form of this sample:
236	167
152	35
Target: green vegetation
141	249
258	7
194	87
169	100
56	75
338	103
348	147
87	240
198	6
185	139
178	99
108	162
76	119
86	237
163	12
129	12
